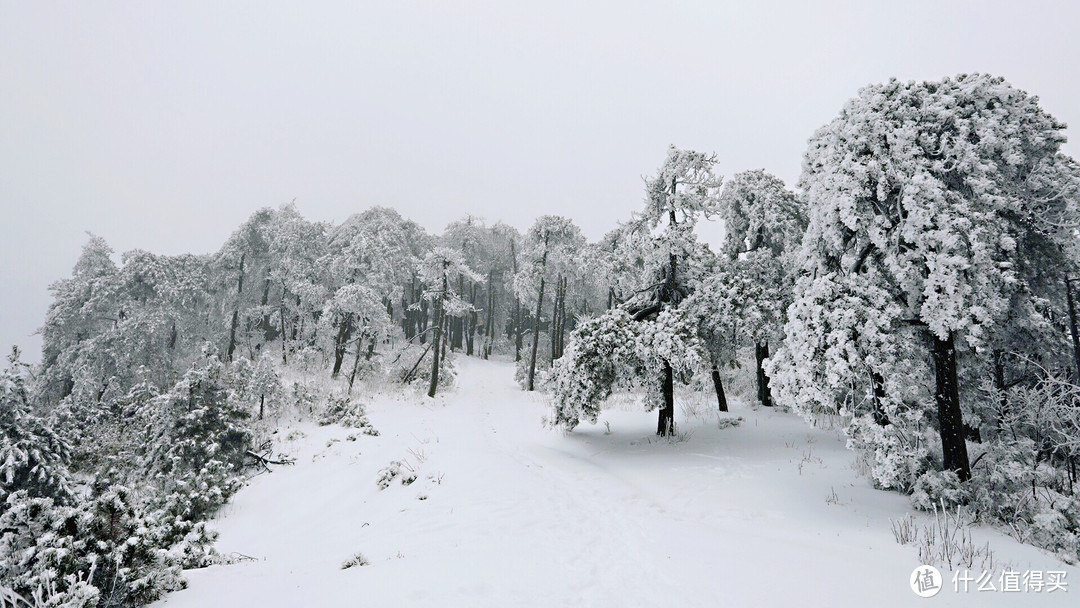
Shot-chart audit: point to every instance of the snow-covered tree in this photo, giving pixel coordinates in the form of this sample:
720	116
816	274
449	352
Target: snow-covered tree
33	457
917	195
440	271
549	250
664	336
743	301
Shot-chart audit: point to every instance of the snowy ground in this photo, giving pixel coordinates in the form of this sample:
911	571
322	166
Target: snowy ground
506	513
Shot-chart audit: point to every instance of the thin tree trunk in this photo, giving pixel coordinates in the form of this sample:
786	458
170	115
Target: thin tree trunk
470	331
999	384
536	321
265	301
355	366
718	384
236	310
950	418
665	424
880	417
281	315
536	336
555	317
438	335
423	317
341	343
761	352
1072	328
518	333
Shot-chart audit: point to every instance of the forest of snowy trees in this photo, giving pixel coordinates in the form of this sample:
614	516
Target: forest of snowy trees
915	288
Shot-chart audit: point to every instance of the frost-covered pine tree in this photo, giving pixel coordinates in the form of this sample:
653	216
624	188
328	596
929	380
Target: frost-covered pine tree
743	302
917	193
651	331
33	457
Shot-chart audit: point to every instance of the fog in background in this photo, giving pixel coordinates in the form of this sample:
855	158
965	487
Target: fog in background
163	126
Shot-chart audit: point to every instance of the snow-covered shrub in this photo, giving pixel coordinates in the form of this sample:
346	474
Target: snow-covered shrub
106	543
935	489
388	473
197	441
356	560
348	413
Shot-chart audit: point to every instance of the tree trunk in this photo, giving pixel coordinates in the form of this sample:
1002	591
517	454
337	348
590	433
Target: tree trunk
665	424
423	317
950	418
470	331
518	333
266	328
236	311
761	352
880	417
262	403
718	384
355	366
341	343
999	384
536	321
536	336
1072	328
553	327
490	333
438	336
281	315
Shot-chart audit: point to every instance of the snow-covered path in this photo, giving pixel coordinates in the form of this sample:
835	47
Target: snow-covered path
506	513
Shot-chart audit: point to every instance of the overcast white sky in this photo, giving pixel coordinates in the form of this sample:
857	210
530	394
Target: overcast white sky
163	125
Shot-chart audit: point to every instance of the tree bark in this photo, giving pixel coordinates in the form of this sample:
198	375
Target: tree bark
536	335
470	331
341	343
950	418
281	316
438	336
236	311
999	384
718	384
267	329
665	424
880	417
1072	328
518	333
355	366
536	321
761	352
553	328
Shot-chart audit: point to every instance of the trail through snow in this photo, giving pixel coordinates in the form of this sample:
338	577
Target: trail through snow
507	513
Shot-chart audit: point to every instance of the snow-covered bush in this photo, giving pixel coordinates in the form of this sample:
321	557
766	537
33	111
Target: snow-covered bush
936	489
348	413
106	543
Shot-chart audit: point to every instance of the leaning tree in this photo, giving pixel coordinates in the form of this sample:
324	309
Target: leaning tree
920	196
650	334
